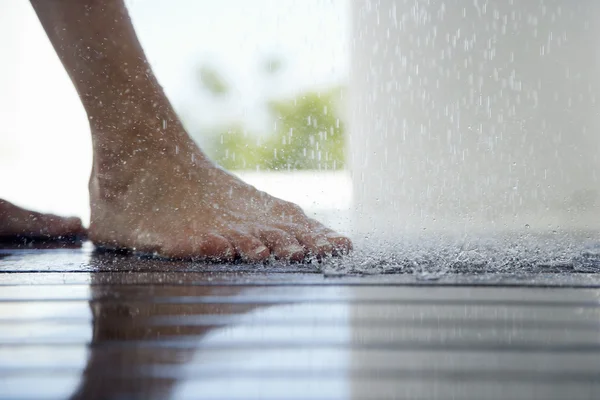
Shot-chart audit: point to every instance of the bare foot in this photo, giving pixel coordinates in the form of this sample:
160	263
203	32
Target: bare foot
16	222
152	189
170	200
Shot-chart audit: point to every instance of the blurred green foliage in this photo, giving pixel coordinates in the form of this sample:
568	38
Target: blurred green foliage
308	132
212	81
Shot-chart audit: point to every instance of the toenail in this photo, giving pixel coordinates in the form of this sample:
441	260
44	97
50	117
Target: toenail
260	250
323	243
293	248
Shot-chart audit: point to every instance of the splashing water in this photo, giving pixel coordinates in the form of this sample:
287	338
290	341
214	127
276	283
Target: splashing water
433	256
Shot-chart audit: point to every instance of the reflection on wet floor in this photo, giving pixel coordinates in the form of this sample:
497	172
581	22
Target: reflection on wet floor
76	324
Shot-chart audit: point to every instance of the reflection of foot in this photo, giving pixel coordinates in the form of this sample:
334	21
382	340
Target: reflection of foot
16	222
172	201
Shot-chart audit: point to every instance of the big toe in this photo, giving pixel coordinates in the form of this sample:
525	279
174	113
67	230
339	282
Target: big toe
319	240
341	244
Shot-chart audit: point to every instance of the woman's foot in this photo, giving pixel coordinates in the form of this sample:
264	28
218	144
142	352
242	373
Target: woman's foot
152	189
16	223
171	201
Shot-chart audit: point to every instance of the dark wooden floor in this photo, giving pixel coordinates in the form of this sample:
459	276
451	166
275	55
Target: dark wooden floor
79	324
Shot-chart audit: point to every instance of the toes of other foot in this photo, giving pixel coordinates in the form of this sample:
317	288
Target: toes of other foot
73	226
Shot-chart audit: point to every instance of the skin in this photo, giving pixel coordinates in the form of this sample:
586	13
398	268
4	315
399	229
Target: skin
17	222
152	189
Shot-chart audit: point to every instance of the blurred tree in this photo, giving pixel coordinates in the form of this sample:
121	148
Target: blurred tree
235	149
308	134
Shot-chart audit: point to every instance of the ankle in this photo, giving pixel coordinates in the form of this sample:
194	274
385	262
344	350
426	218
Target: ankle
143	163
129	134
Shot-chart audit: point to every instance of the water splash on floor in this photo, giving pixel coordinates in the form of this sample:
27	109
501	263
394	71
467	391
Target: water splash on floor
430	257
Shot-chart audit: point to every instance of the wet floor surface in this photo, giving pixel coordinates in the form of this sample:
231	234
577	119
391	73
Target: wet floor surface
79	324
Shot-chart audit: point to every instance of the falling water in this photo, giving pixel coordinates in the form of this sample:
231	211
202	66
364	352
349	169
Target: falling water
474	133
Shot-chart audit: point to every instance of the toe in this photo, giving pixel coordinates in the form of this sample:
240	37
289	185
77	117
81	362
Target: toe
340	243
53	226
247	247
315	242
282	244
210	247
73	226
216	247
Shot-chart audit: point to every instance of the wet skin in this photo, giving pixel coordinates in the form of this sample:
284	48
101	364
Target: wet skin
152	189
17	222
